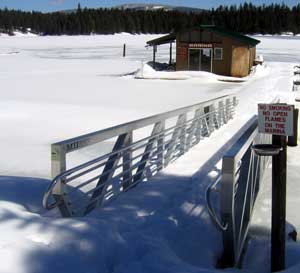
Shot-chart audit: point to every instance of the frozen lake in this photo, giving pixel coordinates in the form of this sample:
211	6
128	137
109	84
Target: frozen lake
53	88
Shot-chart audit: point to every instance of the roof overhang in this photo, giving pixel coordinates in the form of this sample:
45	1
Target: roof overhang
170	38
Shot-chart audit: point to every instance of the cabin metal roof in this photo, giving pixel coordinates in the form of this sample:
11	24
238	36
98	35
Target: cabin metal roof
215	29
232	34
163	40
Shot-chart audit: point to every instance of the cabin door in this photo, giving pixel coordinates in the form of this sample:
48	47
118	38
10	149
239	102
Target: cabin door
200	59
240	64
206	59
194	59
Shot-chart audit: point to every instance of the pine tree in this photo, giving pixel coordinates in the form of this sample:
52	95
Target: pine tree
245	18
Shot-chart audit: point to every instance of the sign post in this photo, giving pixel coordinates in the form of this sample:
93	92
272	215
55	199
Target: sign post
277	119
278	205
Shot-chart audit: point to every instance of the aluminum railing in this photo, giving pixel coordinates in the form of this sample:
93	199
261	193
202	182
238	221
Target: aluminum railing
80	189
242	175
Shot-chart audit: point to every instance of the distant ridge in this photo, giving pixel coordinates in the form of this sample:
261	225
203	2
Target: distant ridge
149	7
152	7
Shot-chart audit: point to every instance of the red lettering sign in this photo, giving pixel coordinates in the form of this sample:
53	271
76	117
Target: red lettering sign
276	119
200	45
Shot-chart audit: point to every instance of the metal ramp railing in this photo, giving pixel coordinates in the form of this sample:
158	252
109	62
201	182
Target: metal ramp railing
134	157
242	175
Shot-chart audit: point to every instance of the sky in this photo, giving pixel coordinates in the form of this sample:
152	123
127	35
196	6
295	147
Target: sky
54	5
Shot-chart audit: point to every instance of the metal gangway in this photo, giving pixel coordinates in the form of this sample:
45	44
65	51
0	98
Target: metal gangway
141	148
238	186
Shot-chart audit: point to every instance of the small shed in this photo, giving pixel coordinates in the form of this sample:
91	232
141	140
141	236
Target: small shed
212	49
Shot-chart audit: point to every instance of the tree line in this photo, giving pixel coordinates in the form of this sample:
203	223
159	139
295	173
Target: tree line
246	18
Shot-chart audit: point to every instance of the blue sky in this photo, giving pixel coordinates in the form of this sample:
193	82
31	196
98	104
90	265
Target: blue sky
52	5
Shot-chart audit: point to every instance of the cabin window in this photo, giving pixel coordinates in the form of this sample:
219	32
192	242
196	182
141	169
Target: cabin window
218	53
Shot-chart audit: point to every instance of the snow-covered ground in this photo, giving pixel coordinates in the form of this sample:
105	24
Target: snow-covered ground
53	88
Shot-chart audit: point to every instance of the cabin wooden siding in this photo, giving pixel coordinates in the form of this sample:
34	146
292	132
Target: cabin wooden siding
252	55
182	51
223	67
238	57
240	61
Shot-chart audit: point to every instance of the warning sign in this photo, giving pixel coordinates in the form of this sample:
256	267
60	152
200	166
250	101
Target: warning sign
275	119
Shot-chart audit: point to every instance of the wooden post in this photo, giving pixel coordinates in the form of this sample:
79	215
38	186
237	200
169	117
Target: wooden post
124	50
278	205
154	55
170	61
293	140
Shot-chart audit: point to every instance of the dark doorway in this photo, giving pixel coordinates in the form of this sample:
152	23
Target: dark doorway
194	59
206	55
200	59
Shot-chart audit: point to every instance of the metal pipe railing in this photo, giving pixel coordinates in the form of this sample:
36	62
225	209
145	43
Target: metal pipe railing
76	143
210	207
241	176
160	148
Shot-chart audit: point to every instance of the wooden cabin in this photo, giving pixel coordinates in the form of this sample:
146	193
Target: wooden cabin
212	49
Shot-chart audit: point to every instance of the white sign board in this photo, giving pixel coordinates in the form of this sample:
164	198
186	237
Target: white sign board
276	119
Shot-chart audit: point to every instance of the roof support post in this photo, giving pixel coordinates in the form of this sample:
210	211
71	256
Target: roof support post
170	61
154	55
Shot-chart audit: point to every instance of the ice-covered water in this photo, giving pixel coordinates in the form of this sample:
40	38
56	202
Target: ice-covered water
53	88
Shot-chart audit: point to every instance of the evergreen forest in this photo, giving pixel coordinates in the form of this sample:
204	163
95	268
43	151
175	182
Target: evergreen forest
246	18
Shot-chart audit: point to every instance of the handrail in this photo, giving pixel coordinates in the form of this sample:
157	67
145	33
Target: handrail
76	143
242	174
47	195
167	142
91	162
210	208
